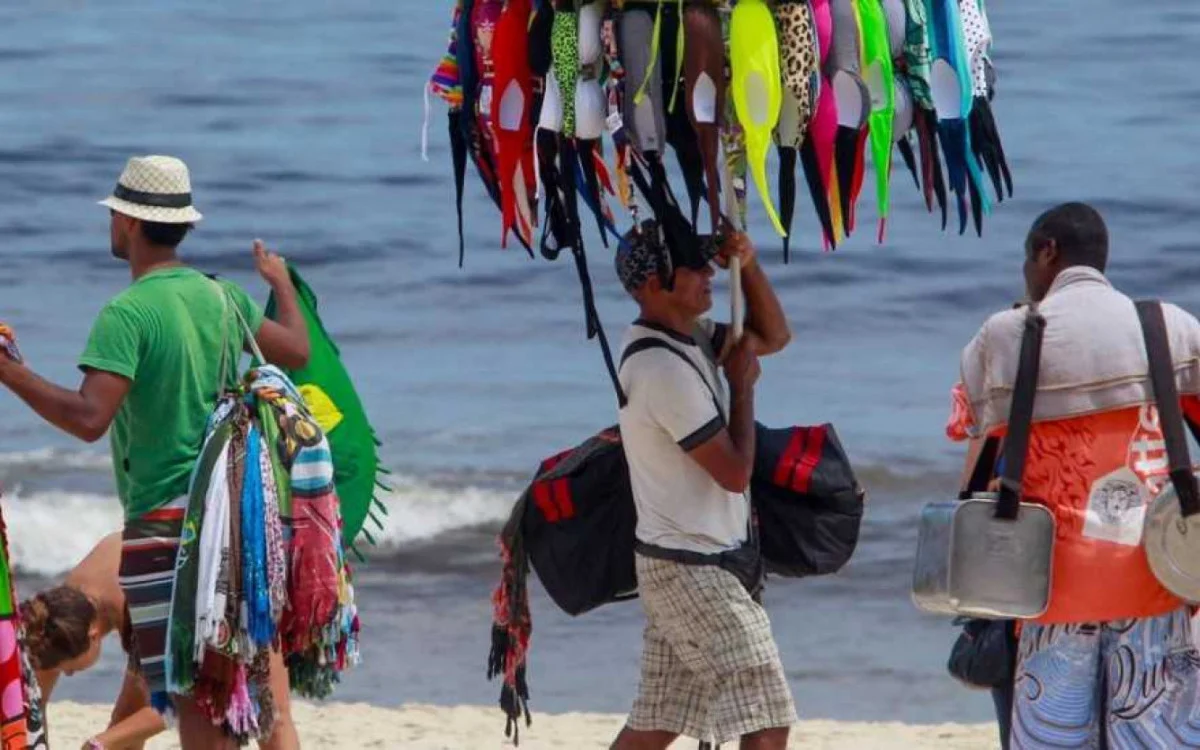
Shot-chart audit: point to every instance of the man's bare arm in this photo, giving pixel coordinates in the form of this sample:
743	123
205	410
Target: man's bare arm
85	413
766	324
728	456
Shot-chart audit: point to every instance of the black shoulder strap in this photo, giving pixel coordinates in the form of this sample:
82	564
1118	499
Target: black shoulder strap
1166	397
1020	418
985	468
653	342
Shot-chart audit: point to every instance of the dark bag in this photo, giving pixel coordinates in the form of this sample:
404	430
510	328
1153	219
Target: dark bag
744	563
807	501
578	522
985	653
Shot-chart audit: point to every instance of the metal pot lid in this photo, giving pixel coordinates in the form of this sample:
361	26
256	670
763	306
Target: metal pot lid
1173	545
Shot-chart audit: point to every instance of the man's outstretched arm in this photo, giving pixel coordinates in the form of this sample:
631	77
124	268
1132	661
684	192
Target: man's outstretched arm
85	413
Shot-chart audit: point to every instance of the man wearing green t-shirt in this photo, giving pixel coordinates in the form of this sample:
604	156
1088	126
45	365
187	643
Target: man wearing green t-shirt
159	355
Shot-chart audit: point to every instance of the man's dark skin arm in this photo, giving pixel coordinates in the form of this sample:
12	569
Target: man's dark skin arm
88	412
766	324
283	342
728	456
85	413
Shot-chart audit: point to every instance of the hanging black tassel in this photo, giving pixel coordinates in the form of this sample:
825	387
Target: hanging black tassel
458	150
985	142
976	206
904	146
816	189
787	195
953	136
591	185
846	158
928	136
556	229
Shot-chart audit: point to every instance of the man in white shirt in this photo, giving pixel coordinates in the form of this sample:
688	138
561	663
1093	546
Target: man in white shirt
710	666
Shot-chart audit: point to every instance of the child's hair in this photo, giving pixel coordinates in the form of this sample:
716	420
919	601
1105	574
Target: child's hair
57	625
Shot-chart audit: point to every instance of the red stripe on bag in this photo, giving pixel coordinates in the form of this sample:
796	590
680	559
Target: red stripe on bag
553	461
808	464
541	498
787	462
562	497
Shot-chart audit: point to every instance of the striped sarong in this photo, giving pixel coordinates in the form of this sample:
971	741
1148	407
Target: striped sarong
149	546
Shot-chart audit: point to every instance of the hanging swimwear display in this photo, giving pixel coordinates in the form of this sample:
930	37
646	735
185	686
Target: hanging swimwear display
532	86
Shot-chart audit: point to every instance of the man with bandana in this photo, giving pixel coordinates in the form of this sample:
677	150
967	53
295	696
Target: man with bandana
710	666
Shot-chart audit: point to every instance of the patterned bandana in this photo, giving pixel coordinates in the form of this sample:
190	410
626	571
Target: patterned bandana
645	251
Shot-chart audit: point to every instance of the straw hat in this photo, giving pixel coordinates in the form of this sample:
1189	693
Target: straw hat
154	188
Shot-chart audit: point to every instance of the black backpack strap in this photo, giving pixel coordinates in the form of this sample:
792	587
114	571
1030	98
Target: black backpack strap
1166	397
1020	419
647	343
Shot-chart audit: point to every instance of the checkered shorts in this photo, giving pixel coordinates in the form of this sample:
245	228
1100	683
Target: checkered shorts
710	668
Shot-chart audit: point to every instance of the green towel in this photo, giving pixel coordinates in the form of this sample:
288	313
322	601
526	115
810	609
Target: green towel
332	399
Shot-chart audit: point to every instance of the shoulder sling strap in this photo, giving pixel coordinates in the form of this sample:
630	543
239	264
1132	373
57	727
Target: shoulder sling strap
1020	419
1166	397
652	342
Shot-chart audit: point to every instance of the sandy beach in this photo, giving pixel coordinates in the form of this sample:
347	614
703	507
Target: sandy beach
419	727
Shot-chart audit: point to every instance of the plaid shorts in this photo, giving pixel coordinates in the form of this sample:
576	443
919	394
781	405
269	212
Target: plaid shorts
710	668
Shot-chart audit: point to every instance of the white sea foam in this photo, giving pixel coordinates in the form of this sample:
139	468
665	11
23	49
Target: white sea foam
50	531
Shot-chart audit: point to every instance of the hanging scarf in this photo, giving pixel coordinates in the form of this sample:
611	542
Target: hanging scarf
277	567
211	598
182	656
512	625
255	584
314	568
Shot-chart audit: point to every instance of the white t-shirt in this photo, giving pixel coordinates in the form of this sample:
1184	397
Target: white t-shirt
670	410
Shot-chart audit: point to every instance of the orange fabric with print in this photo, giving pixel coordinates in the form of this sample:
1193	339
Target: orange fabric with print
1094	472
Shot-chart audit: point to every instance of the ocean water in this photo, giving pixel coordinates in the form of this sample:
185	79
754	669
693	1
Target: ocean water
301	122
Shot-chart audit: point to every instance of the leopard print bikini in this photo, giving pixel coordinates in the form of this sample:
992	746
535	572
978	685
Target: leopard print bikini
799	60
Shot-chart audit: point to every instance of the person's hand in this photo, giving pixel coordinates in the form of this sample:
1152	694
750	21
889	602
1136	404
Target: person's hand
8	345
271	266
92	743
736	245
741	367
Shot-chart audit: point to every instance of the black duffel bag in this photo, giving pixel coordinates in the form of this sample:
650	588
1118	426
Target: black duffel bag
808	504
578	520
